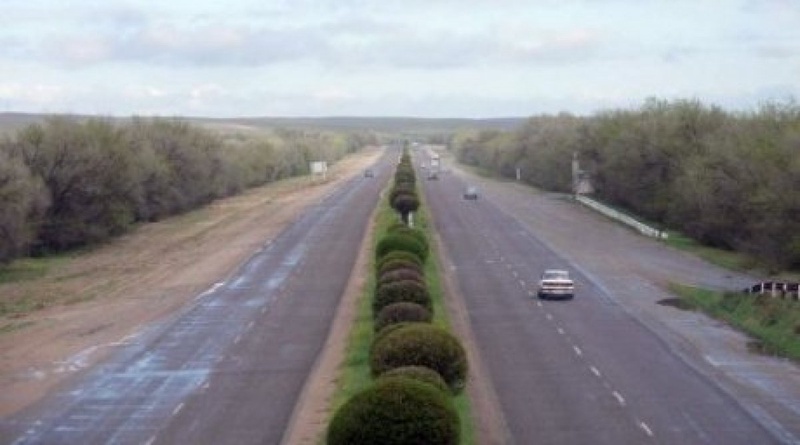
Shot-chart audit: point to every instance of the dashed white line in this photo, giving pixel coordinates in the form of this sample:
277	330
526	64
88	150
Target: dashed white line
237	339
539	303
646	429
522	283
250	325
515	273
177	409
577	350
150	441
619	398
548	316
595	371
560	331
264	310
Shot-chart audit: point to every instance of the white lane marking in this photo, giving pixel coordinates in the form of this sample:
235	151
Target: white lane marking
177	409
549	316
151	441
646	429
577	351
595	371
531	293
206	385
264	310
560	331
539	303
514	273
619	398
237	339
250	325
522	283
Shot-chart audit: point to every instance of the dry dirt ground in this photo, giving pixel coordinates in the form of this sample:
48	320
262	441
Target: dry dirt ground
97	299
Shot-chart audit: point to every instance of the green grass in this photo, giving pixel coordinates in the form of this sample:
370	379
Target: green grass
725	258
773	322
355	373
25	269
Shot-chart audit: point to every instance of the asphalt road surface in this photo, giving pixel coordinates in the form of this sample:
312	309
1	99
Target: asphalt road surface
230	367
585	371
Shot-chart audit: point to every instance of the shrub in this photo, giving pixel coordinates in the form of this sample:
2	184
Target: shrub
421	344
392	265
401	241
400	275
401	189
419	235
398	255
405	203
419	373
396	410
399	312
408	291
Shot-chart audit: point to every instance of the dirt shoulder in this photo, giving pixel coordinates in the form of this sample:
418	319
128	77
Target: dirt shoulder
97	299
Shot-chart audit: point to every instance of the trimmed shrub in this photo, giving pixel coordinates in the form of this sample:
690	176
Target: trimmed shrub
408	291
421	344
397	410
400	275
400	312
392	265
405	203
401	241
398	255
419	235
401	189
419	373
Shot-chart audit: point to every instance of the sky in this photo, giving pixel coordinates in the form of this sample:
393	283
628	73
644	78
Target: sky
425	58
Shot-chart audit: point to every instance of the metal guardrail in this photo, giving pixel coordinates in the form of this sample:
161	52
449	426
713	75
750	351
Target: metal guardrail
776	289
644	229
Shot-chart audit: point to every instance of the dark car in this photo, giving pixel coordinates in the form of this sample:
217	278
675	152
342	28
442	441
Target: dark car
471	193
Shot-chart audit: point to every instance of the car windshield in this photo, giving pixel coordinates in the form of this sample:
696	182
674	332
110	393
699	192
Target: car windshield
556	275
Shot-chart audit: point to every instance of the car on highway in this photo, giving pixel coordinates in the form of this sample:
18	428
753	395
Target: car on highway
471	193
556	283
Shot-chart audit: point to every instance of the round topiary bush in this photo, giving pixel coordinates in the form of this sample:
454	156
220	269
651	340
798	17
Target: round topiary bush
420	373
398	255
400	275
401	228
421	344
407	290
400	312
396	410
405	203
392	265
392	242
401	189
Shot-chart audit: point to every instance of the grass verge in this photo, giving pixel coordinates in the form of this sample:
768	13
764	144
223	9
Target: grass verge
355	373
774	323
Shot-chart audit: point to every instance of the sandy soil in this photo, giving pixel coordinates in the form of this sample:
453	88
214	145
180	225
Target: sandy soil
95	300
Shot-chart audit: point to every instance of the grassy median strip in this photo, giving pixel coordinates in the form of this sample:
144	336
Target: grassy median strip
773	322
355	372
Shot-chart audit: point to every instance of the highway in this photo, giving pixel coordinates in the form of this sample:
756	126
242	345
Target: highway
229	368
585	371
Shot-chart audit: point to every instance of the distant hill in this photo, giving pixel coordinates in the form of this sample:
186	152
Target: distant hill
404	125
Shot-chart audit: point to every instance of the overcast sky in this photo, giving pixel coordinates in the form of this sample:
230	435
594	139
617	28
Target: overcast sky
430	58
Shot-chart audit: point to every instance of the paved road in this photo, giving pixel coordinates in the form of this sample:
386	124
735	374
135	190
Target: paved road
583	371
228	369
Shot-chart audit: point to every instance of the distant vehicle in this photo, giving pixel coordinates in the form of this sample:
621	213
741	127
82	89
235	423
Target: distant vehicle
556	283
433	175
368	173
471	193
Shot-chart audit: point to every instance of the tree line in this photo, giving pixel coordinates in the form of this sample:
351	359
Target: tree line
727	179
66	183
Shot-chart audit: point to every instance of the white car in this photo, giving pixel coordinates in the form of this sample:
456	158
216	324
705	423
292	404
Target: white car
556	283
471	193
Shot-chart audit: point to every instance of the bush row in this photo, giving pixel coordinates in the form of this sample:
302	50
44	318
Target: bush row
65	183
417	366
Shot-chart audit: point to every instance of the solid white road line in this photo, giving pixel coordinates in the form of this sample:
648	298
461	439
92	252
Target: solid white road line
619	398
595	371
646	429
578	351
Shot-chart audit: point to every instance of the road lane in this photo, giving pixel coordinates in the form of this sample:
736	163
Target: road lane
581	371
229	368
